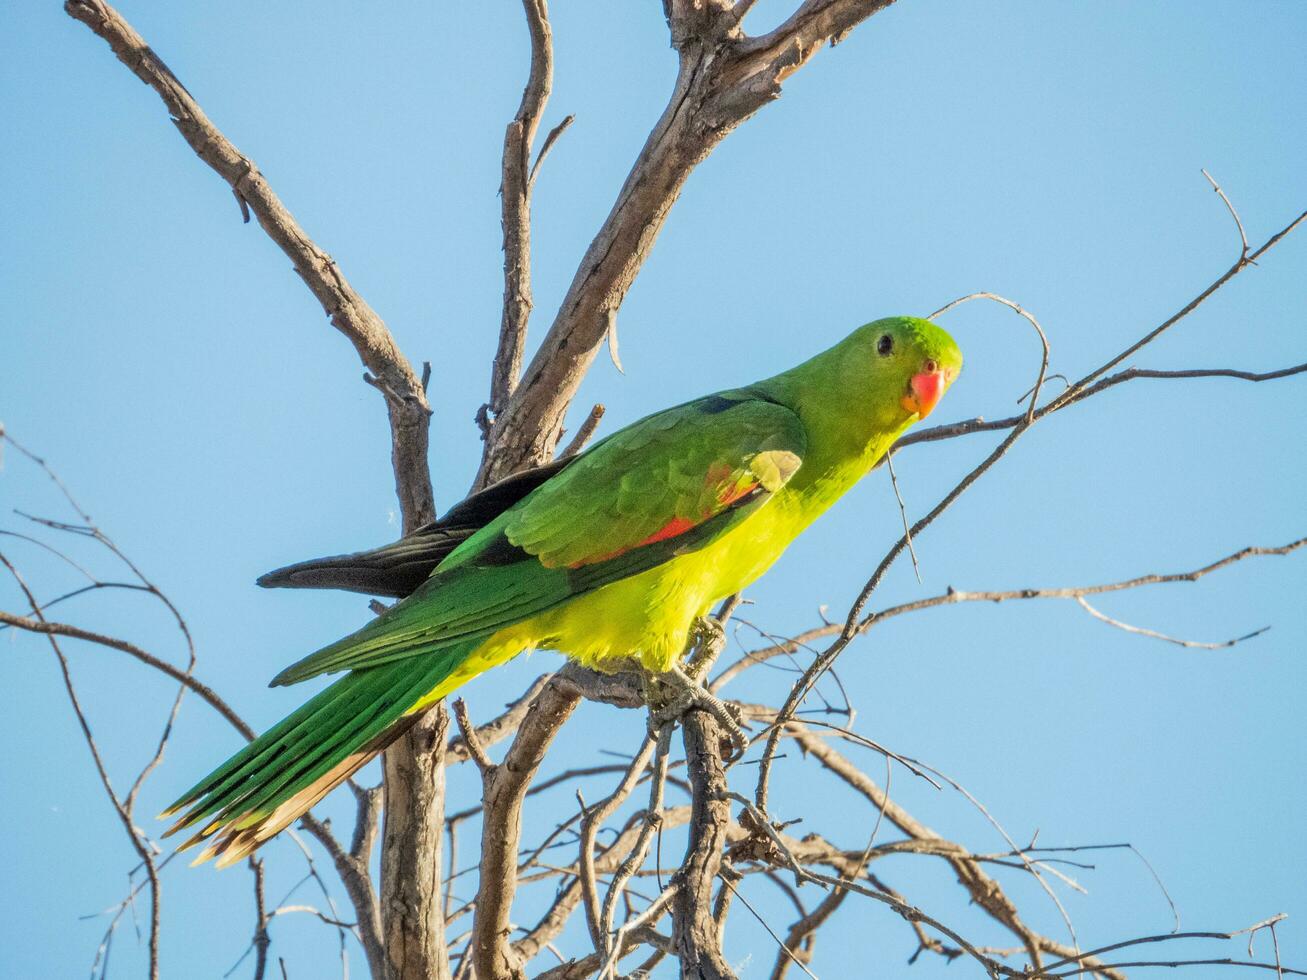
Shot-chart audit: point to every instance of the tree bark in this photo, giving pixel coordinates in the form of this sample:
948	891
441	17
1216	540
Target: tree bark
695	933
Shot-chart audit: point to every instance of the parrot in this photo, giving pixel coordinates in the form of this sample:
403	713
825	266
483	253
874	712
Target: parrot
611	555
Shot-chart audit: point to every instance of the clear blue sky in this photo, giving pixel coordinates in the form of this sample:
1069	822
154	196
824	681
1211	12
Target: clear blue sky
169	363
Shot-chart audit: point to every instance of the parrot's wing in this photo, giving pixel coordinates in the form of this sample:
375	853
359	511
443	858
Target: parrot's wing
397	569
667	485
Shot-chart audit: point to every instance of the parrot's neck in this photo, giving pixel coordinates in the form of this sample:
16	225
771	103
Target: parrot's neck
831	468
846	437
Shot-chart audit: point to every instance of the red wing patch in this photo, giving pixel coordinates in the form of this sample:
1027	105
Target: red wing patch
738	492
679	525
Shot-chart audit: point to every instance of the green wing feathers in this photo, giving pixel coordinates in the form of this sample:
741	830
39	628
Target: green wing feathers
268	784
659	477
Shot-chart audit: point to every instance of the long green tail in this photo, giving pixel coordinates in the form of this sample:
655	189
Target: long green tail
267	785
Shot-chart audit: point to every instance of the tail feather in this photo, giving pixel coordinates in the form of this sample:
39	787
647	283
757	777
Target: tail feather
309	721
304	765
271	782
396	569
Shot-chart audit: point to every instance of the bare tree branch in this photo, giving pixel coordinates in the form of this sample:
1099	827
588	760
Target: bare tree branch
414	776
505	787
611	940
77	633
261	942
1243	235
698	943
1022	312
953	596
723	78
569	897
515	193
983	889
628	941
584	432
471	739
144	847
955	429
592	820
1153	634
499	728
413	834
406	402
1075	391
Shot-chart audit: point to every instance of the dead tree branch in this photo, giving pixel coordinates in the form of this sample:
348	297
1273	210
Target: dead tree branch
515	192
793	645
144	847
406	401
723	78
414	777
698	941
504	789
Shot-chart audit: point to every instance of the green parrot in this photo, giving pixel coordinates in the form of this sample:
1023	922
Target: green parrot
612	554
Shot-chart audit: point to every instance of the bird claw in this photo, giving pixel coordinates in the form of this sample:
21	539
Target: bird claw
708	631
689	694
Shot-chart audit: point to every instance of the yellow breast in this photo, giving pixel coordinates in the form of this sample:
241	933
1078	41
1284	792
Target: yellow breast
649	615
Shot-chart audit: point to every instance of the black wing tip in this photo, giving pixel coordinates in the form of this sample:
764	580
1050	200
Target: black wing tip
338	571
273	580
350	573
390	571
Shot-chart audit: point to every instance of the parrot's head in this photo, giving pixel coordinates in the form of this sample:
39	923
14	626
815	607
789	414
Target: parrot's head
907	364
876	381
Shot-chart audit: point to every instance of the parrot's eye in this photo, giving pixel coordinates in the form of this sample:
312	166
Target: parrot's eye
930	367
885	345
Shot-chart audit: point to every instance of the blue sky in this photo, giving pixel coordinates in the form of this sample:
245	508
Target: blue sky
169	363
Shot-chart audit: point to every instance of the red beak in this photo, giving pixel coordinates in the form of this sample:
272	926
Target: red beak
924	391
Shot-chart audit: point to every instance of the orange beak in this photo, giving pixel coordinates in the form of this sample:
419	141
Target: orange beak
925	390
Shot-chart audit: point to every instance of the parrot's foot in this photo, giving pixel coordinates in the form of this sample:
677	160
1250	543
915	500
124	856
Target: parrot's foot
708	639
686	694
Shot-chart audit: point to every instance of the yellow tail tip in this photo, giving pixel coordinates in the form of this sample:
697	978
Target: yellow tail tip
233	855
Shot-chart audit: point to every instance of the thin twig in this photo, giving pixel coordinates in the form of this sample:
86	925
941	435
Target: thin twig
1029	317
584	433
633	862
548	145
903	513
1243	236
1141	631
471	739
